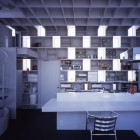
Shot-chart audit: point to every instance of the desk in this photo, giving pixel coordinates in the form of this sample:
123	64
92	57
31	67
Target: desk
71	111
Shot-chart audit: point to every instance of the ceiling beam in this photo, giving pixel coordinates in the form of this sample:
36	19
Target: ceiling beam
34	15
16	20
47	11
89	13
73	12
63	12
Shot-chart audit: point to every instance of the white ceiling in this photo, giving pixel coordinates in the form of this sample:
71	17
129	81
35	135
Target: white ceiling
56	14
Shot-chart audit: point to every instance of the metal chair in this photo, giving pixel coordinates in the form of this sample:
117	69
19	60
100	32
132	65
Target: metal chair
102	123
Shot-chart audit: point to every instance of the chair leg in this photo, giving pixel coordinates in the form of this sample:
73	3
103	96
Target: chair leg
90	135
115	136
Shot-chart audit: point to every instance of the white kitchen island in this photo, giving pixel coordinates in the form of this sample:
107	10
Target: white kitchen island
71	109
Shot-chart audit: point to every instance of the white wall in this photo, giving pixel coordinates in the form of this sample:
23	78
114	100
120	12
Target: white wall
49	80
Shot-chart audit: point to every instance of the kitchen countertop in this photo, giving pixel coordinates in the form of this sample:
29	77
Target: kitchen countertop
73	102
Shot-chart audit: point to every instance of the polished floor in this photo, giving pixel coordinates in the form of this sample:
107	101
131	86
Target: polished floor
32	124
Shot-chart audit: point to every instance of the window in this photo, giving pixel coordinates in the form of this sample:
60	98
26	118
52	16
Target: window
40	31
71	30
26	42
71	76
131	76
137	57
102	30
71	53
101	53
86	64
132	30
26	64
56	42
116	41
86	42
116	64
101	75
13	30
124	55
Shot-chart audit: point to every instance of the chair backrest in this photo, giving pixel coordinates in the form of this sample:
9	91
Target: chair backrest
104	122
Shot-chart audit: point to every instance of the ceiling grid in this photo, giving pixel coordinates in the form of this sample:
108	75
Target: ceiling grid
56	14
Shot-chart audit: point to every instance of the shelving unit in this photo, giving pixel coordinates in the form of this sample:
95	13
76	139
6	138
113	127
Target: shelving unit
30	93
101	56
30	96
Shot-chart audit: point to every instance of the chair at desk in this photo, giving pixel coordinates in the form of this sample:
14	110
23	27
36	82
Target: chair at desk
102	123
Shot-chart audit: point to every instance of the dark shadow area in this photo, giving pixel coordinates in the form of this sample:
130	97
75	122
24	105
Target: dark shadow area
32	124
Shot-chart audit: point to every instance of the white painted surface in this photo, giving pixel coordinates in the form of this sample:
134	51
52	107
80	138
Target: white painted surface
93	102
91	96
71	109
55	106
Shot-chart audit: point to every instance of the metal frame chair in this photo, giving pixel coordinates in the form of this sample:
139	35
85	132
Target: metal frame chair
102	123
